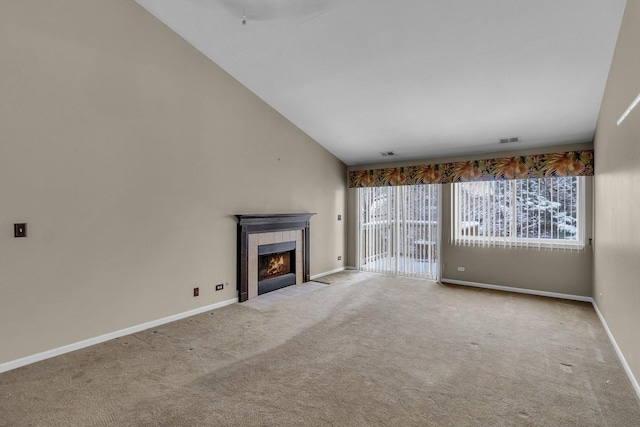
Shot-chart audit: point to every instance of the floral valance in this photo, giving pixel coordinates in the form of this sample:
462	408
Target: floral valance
571	163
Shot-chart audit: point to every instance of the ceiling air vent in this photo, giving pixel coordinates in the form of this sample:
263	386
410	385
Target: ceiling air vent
508	140
388	154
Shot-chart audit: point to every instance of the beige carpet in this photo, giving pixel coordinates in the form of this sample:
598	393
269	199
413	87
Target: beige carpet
367	350
341	277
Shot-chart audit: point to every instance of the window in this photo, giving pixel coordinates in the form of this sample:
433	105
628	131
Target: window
545	212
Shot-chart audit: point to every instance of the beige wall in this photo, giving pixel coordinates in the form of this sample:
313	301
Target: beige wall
543	270
617	195
128	153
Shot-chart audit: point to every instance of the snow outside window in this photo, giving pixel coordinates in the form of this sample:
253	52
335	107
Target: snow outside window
542	213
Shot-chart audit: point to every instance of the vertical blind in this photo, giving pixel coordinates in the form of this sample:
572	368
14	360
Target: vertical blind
539	213
399	230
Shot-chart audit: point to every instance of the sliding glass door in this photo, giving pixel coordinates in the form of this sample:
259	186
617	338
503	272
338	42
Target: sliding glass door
399	230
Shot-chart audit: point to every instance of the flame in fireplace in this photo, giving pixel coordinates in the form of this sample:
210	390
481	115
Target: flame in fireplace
276	265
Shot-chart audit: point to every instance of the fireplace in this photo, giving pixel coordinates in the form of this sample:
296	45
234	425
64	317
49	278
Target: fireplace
276	266
273	252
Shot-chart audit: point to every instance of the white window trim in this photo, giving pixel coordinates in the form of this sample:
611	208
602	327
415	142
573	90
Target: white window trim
520	242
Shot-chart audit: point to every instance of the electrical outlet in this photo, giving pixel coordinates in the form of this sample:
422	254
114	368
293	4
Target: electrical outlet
460	268
219	287
196	292
339	217
339	258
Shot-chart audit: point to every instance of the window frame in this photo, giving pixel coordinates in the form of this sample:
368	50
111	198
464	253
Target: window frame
512	241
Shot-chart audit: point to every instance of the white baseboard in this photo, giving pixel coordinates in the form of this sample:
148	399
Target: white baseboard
7	366
326	273
625	365
518	290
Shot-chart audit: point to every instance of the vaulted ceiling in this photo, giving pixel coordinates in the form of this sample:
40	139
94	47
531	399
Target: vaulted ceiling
421	78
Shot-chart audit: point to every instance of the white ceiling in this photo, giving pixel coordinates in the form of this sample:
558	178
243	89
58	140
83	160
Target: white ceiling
422	78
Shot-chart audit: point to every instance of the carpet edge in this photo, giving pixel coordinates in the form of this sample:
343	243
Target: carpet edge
518	290
625	365
27	360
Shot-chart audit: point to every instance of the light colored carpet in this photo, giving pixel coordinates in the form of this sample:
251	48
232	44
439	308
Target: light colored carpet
341	277
369	350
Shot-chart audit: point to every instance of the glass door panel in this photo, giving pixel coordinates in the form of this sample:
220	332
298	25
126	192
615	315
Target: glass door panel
399	230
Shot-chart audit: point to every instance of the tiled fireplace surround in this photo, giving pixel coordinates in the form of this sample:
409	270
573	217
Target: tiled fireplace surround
257	230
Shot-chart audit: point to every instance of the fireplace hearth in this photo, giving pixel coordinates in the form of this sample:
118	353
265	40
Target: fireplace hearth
273	252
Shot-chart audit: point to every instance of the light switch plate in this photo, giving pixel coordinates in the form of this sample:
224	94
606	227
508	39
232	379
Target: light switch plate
20	230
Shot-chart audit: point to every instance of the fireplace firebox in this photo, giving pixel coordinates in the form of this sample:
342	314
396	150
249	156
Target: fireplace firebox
276	266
